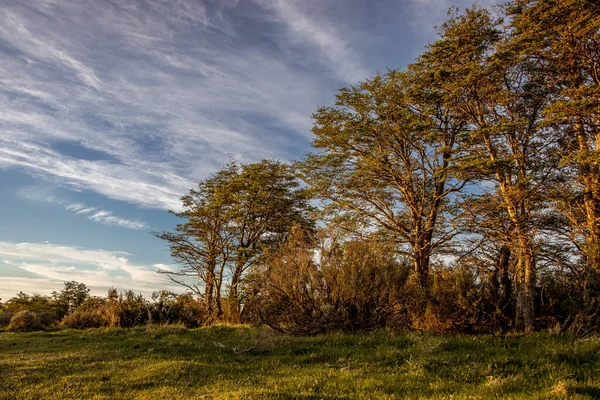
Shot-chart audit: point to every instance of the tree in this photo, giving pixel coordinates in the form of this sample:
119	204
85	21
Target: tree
502	97
562	37
70	297
387	154
231	218
35	302
203	244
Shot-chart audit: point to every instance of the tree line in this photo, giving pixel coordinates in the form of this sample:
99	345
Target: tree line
460	193
476	164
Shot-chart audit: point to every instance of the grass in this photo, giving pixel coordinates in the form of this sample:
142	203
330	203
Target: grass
242	362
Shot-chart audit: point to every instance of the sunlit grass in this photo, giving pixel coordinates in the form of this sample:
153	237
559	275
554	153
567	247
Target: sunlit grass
242	362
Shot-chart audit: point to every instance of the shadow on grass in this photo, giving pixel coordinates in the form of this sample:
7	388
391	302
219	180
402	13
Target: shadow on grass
591	391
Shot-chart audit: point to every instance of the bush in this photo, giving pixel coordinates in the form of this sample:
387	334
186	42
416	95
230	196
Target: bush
170	308
28	321
354	286
83	320
126	309
5	318
454	303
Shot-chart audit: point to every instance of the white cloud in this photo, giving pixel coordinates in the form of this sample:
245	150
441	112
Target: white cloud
97	268
151	186
105	217
45	50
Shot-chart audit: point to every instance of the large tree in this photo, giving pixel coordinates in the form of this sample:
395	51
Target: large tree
562	39
502	97
386	157
231	217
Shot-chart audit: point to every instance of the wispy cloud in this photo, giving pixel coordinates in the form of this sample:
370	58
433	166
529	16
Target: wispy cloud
100	269
105	217
153	185
334	50
94	213
167	91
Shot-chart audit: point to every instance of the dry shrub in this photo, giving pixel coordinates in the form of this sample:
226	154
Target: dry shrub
171	308
453	303
352	286
27	320
83	320
314	286
126	309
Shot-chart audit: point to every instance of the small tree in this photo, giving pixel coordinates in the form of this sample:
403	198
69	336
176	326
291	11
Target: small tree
231	218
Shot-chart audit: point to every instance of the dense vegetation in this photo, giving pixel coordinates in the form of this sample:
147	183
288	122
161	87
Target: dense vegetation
461	193
226	362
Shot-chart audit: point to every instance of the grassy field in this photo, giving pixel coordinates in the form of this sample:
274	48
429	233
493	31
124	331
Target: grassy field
241	362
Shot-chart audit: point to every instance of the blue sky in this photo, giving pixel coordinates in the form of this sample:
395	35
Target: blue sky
110	110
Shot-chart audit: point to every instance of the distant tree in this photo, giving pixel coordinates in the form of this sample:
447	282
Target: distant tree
70	297
203	244
232	217
35	302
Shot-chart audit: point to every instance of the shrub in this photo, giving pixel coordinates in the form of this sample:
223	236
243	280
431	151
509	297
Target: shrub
83	320
5	318
170	308
28	321
126	309
354	286
92	304
192	312
454	303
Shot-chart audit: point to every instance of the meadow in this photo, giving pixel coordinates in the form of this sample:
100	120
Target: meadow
222	362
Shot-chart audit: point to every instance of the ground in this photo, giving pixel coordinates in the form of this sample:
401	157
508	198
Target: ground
243	362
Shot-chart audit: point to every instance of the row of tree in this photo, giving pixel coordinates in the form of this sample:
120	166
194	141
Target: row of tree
459	193
481	156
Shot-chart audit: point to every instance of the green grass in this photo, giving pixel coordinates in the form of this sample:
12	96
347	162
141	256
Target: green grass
241	362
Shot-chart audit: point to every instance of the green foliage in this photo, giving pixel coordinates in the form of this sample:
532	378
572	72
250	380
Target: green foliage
230	219
72	296
35	302
5	318
387	155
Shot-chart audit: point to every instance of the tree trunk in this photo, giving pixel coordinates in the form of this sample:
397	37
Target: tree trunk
234	300
421	266
525	282
208	294
500	286
590	179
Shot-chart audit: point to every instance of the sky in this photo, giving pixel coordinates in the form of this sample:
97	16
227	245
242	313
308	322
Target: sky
111	110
